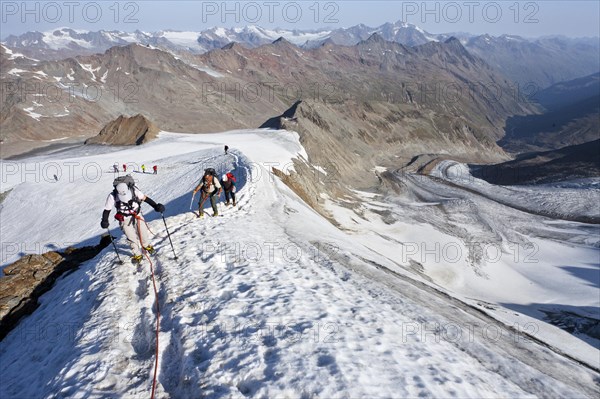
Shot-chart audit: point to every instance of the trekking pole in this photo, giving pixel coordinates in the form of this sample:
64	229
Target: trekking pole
115	246
169	235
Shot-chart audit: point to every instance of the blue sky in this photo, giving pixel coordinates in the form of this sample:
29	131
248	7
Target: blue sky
525	18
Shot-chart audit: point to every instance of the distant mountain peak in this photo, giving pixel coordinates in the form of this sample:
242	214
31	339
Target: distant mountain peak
375	38
452	40
281	40
456	45
230	46
328	42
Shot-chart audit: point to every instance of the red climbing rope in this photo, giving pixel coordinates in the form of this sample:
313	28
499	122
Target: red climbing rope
138	218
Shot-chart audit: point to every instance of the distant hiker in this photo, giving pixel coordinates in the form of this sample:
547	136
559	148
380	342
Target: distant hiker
226	149
143	168
127	200
209	185
124	167
228	183
116	168
155	168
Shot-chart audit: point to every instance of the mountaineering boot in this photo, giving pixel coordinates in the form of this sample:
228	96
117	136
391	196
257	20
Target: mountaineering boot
216	213
136	259
227	203
233	202
150	249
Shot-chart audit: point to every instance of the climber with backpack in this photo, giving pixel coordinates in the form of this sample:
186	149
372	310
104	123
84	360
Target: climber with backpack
228	184
210	186
127	199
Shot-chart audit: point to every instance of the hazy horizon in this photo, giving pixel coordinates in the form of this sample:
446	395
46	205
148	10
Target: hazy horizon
577	19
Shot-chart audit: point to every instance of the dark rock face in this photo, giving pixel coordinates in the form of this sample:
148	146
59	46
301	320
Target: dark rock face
572	162
572	117
33	275
126	131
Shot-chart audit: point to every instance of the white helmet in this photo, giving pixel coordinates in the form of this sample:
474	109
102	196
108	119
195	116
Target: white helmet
224	178
124	192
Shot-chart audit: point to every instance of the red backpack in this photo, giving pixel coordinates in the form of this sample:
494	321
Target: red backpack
231	177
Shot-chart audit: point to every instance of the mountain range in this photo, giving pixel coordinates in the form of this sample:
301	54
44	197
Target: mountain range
367	151
373	96
543	62
378	98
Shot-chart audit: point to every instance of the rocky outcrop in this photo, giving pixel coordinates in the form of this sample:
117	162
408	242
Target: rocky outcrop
33	275
135	130
354	138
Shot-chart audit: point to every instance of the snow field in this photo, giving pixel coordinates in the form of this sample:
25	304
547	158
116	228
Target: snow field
269	300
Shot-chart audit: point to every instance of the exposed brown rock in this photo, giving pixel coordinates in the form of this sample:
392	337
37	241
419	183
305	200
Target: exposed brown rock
236	88
126	131
33	275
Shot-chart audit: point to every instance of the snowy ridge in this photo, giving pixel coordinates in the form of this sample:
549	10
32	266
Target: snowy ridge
16	71
185	39
33	115
209	71
13	55
92	71
69	39
293	36
258	304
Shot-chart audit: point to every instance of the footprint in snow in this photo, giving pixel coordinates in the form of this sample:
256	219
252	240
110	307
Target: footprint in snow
142	288
247	387
418	381
143	338
325	360
243	287
328	361
269	341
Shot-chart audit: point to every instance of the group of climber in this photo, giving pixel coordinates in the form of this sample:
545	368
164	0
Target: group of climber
143	167
127	199
210	187
154	169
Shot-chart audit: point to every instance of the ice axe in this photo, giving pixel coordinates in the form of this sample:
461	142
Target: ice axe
192	202
169	235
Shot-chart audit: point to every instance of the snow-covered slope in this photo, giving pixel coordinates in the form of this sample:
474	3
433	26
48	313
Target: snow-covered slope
517	253
269	300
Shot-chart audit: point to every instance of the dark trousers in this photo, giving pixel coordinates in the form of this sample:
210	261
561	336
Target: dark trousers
228	194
